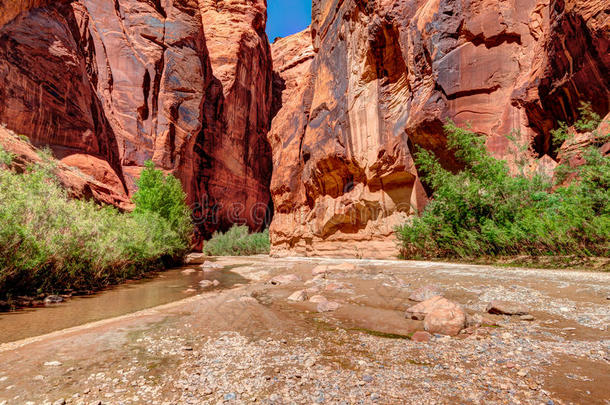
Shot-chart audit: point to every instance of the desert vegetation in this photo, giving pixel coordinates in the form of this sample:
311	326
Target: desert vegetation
50	243
237	241
483	210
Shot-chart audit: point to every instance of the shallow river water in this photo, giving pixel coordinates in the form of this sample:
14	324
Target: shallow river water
133	296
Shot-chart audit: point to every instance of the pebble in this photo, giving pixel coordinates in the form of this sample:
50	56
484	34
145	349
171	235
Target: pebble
298	296
230	396
527	317
53	299
53	363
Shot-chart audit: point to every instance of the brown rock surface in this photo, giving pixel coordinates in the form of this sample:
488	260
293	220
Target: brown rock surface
499	307
384	77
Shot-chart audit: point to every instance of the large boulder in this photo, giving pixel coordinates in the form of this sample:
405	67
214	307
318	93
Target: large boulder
440	315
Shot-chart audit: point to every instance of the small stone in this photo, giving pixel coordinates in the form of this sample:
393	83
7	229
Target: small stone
327	306
60	402
210	266
285	279
230	396
309	363
188	271
298	296
53	299
194	258
206	283
53	363
215	283
247	299
522	373
426	292
187	348
527	317
86	391
506	308
375	396
421	336
320	270
367	378
317	299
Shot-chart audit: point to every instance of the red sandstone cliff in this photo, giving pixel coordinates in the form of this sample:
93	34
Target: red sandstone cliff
387	74
191	84
184	83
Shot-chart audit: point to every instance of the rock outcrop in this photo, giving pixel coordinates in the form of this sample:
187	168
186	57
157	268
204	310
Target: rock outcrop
183	83
79	183
384	77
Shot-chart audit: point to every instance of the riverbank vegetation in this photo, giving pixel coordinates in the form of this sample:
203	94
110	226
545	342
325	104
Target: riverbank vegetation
50	243
483	210
237	241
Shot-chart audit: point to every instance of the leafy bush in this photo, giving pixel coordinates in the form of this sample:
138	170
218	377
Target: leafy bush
484	211
237	241
163	195
50	243
6	158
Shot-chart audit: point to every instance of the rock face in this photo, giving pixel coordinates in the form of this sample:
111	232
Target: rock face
186	84
378	79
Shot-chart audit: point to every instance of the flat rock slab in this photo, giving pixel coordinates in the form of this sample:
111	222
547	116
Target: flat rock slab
327	306
285	279
498	307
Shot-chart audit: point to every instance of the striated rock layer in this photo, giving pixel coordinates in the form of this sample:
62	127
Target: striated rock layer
374	80
186	84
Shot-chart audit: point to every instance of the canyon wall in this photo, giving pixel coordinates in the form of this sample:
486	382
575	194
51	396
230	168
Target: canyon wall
112	84
375	80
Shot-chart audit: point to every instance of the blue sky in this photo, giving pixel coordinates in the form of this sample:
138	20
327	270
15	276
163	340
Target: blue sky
287	17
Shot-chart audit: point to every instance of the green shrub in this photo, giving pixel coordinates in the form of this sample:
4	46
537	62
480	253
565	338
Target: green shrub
237	241
6	158
50	243
164	196
484	211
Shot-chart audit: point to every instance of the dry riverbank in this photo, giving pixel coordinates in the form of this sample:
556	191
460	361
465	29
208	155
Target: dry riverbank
250	343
